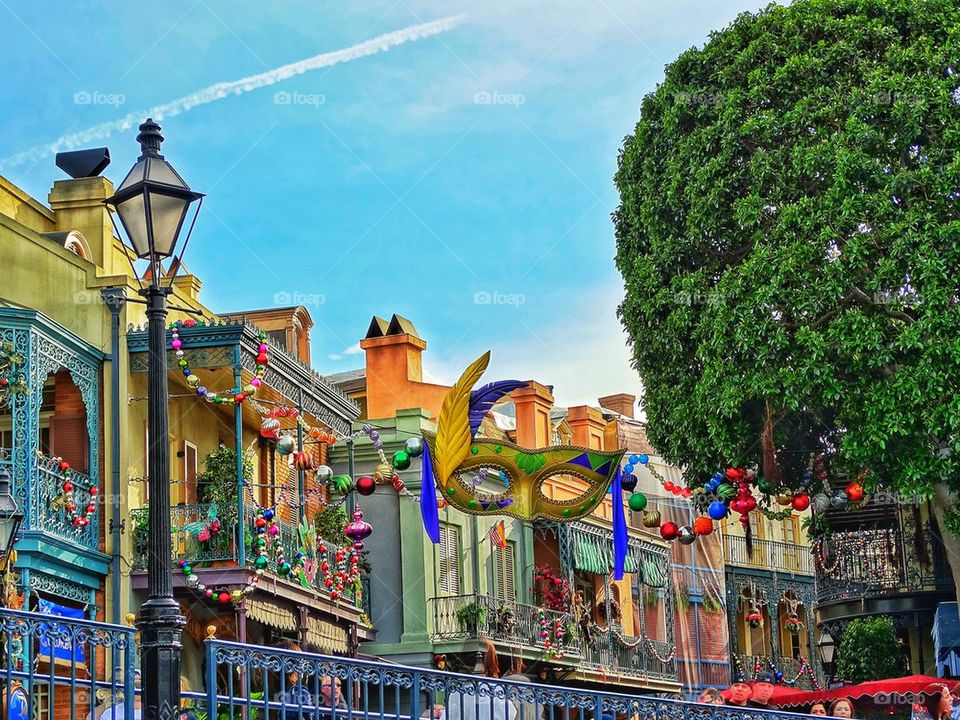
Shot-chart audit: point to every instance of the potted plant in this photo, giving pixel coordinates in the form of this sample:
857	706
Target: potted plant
470	616
754	619
792	624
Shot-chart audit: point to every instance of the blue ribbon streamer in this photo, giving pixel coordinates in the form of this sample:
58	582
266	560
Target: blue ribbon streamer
619	529
428	496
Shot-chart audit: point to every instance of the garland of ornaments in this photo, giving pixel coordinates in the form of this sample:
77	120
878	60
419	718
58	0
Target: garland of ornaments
730	491
12	380
249	390
552	637
805	669
343	572
67	499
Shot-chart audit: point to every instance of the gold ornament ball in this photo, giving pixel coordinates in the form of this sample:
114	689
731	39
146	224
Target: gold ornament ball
237	596
384	473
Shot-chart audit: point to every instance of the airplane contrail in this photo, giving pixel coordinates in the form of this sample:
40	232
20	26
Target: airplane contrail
218	91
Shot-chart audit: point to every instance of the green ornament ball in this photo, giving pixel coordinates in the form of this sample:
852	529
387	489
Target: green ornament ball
284	569
187	570
764	486
341	484
261	562
637	502
400	460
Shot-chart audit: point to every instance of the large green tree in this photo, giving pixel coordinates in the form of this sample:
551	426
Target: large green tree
789	238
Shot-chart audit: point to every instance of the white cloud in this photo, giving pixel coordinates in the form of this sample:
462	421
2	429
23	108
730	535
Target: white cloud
354	349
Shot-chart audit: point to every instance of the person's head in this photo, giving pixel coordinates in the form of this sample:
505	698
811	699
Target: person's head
740	693
293	677
939	700
763	689
818	709
710	696
842	708
331	690
491	666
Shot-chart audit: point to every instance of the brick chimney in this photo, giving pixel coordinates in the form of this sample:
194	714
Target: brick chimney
588	426
621	403
533	403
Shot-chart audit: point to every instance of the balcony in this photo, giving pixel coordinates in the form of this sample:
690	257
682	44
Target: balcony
518	625
768	555
880	563
795	672
222	549
503	621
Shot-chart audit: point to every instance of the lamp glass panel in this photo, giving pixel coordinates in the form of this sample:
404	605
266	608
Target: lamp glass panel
167	212
132	212
160	171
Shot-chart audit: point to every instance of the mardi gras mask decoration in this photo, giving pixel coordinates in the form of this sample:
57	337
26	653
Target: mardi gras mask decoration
493	477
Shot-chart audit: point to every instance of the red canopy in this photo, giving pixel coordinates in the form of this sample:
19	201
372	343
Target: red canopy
872	688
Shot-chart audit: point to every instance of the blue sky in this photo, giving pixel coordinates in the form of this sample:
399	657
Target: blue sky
463	180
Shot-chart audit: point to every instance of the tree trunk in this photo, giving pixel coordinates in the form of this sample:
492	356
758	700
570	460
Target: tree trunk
939	504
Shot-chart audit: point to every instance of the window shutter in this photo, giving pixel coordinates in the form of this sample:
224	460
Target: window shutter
190	471
450	559
504	572
69	438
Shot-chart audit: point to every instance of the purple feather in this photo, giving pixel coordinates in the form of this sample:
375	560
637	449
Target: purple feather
483	398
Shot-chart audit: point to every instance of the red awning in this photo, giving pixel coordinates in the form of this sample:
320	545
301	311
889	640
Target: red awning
909	684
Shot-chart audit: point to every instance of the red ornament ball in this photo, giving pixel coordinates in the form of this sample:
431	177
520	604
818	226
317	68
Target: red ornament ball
669	530
801	502
64	466
67	486
366	485
668	486
855	492
224	598
93	492
703	525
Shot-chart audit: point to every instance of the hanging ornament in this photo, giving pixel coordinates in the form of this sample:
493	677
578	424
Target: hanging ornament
286	445
413	447
323	474
366	485
358	530
820	503
717	510
78	516
703	525
669	530
303	461
651	518
269	428
628	482
248	390
400	460
341	484
384	473
637	502
685	535
801	502
839	500
854	492
784	499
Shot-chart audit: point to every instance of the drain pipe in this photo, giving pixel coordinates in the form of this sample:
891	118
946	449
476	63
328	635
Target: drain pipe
115	298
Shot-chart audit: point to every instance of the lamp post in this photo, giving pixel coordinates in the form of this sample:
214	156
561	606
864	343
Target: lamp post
152	204
10	516
827	648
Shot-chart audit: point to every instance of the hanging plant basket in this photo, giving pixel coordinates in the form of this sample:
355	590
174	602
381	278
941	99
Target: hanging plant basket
755	620
793	625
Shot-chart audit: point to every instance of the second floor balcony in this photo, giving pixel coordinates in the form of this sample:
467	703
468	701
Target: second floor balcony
781	557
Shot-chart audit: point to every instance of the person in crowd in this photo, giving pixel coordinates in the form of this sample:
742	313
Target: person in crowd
483	705
938	704
842	708
525	710
710	696
740	694
331	693
297	699
762	691
818	709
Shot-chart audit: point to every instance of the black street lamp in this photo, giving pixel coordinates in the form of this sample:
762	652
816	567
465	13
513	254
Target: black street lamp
10	516
152	203
827	647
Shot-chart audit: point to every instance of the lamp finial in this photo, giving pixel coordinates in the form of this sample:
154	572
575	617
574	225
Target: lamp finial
150	139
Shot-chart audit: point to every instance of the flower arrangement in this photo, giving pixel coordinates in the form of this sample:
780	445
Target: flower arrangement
793	625
552	591
755	619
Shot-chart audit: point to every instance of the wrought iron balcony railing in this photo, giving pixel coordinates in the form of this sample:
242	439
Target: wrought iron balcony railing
222	549
47	511
879	562
504	621
520	625
768	555
795	671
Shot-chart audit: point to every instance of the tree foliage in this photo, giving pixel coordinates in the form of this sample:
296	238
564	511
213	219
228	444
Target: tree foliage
789	238
869	651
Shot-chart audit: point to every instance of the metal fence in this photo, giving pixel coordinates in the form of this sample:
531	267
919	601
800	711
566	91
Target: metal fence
259	683
62	669
769	555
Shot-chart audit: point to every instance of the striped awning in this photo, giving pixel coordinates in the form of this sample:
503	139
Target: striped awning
327	636
593	553
271	613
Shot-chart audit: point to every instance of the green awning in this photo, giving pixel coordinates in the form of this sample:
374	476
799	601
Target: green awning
593	553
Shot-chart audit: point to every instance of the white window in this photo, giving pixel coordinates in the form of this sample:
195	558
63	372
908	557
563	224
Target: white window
449	559
503	572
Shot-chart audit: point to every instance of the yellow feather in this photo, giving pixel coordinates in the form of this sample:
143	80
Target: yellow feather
453	424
